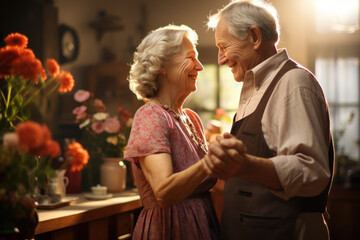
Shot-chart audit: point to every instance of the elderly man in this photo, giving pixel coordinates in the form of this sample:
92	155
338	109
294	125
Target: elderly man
277	161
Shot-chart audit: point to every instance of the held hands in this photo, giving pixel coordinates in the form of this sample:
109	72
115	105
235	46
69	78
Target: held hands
226	157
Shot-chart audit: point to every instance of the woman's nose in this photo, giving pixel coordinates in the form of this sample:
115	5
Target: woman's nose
198	65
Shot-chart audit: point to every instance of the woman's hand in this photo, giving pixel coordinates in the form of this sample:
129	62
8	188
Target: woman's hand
226	157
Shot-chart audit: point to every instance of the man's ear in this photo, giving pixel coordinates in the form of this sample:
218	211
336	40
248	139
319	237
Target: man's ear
256	37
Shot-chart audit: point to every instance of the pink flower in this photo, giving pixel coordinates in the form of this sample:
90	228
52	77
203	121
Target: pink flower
79	110
81	95
112	125
81	116
98	127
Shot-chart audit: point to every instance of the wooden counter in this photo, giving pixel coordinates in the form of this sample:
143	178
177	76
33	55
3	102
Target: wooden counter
113	218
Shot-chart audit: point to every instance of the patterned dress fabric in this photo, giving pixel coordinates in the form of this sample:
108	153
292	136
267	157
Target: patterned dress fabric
156	130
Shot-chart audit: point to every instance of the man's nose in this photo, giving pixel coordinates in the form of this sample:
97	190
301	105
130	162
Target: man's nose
221	58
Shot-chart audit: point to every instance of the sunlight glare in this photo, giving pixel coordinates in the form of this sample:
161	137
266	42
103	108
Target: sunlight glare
338	16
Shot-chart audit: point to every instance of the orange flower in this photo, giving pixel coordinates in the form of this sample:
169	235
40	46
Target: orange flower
31	135
36	139
220	111
43	75
16	39
53	148
78	156
99	105
28	66
49	147
7	56
46	132
66	82
53	67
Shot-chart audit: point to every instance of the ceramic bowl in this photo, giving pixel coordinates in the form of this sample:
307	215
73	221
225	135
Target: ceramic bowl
99	190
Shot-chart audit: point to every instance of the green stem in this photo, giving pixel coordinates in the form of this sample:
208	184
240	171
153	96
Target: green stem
39	89
8	99
3	96
56	86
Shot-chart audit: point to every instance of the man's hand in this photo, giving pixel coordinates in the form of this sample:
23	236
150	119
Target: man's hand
226	157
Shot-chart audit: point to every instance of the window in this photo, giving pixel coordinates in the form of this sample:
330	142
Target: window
216	89
335	43
340	81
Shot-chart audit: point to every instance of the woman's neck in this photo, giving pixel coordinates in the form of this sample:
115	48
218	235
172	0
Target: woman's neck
174	104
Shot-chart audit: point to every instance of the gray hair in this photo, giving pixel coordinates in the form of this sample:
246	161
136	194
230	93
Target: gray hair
153	53
242	14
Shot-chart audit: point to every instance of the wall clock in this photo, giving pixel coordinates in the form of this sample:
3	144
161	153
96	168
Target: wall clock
69	44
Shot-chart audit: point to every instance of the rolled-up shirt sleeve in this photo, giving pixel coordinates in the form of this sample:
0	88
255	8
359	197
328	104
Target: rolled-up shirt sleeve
297	129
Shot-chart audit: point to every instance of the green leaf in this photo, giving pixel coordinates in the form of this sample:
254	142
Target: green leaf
11	111
18	101
25	113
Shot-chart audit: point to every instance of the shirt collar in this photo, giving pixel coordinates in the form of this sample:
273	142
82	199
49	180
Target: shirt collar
262	71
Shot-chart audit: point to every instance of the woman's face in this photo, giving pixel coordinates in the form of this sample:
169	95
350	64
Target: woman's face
182	70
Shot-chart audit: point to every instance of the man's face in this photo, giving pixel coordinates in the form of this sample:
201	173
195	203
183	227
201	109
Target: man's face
239	55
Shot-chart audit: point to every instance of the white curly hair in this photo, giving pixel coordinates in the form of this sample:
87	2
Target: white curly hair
153	53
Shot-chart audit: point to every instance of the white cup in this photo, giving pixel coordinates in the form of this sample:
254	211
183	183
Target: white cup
99	190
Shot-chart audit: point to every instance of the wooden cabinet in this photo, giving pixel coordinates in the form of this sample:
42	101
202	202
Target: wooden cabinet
344	211
108	82
119	226
89	220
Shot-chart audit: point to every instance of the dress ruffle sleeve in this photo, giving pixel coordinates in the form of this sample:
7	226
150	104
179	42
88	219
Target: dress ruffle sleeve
150	133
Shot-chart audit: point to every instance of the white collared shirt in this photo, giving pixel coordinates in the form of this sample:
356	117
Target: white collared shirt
295	125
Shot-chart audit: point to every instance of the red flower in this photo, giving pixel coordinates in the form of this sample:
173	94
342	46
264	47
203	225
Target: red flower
53	67
78	156
28	66
66	82
124	115
7	56
28	203
16	39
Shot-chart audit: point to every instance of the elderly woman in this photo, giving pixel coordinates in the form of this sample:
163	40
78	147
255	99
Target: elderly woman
167	143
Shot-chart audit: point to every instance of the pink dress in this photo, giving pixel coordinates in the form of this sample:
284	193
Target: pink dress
156	130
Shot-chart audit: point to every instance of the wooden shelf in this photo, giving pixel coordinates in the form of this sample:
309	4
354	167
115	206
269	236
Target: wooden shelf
112	218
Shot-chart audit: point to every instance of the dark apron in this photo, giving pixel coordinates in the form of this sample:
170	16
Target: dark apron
250	210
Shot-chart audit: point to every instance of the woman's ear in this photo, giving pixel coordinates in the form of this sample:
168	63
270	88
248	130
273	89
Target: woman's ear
256	36
163	71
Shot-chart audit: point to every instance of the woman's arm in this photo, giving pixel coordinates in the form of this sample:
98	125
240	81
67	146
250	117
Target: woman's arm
169	187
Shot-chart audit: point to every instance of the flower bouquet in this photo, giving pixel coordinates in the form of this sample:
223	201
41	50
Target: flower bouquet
24	80
20	156
102	135
27	159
